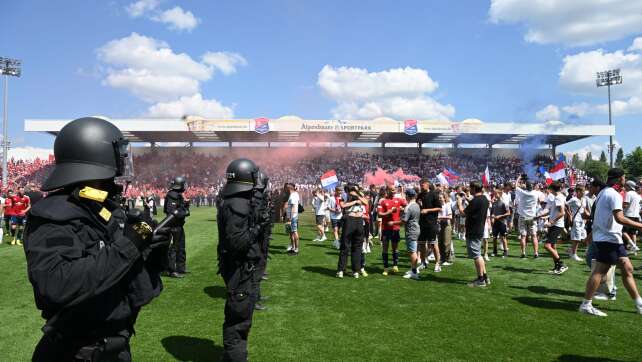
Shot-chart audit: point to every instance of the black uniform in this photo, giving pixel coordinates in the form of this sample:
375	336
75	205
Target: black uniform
238	253
89	280
263	216
177	256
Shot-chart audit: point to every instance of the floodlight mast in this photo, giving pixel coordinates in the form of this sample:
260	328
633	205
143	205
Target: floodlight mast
608	78
8	67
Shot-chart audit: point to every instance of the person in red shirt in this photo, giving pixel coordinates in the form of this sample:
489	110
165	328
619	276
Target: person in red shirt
21	205
390	210
8	212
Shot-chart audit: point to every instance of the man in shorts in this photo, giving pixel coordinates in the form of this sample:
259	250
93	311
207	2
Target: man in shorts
320	205
336	214
292	223
390	210
410	218
499	214
608	220
555	211
476	213
21	205
527	200
631	206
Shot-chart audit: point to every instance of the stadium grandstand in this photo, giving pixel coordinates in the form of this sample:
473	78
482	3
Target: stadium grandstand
291	149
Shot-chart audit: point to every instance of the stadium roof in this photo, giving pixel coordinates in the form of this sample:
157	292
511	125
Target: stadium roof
380	130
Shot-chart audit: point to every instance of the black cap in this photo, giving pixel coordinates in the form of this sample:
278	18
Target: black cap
615	173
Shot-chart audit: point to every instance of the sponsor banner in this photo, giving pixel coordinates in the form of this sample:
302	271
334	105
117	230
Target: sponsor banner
340	125
208	125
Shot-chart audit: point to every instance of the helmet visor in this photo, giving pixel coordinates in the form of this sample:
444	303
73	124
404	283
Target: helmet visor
123	150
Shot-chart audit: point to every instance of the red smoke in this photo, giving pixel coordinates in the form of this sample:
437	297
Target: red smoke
380	177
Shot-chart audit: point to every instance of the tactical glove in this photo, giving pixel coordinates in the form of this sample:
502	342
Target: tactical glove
137	230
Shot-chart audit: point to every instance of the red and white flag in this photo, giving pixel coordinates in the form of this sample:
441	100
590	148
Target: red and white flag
486	177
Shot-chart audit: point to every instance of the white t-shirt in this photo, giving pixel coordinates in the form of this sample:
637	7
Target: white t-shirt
293	205
575	204
527	203
335	210
320	206
557	203
605	228
446	211
507	199
633	199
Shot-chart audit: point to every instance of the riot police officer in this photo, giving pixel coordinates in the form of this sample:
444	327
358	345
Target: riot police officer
261	201
92	267
174	201
238	254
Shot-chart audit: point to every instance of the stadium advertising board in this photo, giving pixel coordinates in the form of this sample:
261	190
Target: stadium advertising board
218	125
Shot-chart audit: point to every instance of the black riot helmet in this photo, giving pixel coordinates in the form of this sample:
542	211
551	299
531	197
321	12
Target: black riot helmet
178	184
241	175
261	180
88	149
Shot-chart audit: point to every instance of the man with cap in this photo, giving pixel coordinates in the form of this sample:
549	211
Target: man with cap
238	254
631	206
608	220
92	267
174	200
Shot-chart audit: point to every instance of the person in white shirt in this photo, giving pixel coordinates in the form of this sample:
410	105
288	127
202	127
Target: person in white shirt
631	205
607	238
556	210
320	205
577	206
334	205
445	230
292	221
1	218
527	200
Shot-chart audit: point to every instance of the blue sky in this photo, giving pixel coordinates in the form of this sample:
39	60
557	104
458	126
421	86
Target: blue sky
503	60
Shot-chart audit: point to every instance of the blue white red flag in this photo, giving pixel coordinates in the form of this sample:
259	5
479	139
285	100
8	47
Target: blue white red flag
329	180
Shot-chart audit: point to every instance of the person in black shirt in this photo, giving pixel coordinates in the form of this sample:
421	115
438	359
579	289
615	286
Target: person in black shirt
430	205
476	213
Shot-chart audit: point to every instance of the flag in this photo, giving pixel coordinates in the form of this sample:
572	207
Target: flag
450	175
545	175
443	180
558	171
329	180
486	177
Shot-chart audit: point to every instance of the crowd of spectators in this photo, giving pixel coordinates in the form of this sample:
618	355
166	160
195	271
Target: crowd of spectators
155	169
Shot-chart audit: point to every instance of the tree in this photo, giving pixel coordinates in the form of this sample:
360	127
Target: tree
603	157
632	163
596	169
575	161
619	158
589	157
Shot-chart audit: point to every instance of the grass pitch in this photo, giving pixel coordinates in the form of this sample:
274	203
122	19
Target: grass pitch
525	315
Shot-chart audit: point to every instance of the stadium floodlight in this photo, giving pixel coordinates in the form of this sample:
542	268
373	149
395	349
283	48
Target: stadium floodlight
608	78
8	67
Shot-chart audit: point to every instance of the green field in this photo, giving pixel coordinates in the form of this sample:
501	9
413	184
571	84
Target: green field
526	315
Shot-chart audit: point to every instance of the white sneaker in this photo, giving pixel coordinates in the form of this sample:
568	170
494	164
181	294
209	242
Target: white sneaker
355	275
431	257
337	244
576	258
591	310
639	308
339	274
411	275
437	269
603	296
421	267
486	258
324	238
317	239
446	264
289	248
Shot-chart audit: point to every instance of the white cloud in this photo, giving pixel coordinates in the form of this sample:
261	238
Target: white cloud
149	69
29	153
193	105
226	62
637	44
141	7
571	22
548	113
398	93
595	149
177	19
